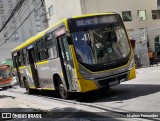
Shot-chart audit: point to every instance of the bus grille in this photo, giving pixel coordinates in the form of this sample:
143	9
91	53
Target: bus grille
105	82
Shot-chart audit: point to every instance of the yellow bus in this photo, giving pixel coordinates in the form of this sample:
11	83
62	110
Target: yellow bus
77	54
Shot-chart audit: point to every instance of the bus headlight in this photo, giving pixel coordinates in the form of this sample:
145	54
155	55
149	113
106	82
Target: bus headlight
86	75
131	64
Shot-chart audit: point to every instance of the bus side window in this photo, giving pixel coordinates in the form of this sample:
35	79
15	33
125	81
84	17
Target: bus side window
41	50
15	60
21	58
25	55
51	46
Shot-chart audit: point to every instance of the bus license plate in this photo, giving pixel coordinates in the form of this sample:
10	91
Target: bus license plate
113	83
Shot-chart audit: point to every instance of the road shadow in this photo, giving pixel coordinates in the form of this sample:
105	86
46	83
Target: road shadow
119	93
115	93
69	112
5	96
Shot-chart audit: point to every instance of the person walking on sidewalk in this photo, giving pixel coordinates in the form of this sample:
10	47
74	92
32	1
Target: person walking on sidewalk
150	54
155	58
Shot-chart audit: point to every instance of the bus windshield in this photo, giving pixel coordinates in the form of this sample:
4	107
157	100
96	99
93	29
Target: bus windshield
5	73
101	45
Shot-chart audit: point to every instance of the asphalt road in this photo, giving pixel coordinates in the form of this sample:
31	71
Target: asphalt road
140	96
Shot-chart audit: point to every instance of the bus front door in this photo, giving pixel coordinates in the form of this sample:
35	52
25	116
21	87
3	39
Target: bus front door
67	63
16	61
31	55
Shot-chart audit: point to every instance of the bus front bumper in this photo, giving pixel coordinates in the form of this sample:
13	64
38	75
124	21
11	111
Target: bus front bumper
89	85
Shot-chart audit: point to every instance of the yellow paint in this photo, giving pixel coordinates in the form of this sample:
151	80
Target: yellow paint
33	87
30	72
42	62
75	62
86	85
48	89
62	75
14	69
42	88
22	67
132	73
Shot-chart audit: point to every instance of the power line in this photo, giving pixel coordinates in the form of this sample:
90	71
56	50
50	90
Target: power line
22	22
19	16
16	8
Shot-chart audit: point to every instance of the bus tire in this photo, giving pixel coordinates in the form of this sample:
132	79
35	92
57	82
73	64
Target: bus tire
62	91
10	86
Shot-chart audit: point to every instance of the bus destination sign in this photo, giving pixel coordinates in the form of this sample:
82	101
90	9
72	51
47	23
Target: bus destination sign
96	20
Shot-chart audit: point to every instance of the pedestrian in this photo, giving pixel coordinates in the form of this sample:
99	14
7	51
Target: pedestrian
155	58
150	54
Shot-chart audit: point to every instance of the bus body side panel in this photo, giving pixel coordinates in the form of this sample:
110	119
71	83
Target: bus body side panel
55	68
45	75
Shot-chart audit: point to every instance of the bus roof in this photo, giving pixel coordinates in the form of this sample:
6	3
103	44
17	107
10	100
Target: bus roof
41	34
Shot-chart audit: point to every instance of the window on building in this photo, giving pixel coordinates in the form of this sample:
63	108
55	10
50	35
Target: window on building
156	14
51	10
126	15
141	15
15	36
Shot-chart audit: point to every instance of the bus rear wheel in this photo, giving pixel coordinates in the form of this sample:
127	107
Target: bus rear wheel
62	91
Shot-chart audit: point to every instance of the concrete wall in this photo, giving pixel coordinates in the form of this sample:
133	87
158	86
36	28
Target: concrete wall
63	9
96	6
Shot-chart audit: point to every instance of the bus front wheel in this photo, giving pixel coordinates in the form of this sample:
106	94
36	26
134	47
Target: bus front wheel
62	91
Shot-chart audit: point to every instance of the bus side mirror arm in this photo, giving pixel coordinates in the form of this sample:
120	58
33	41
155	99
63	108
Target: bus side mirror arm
69	40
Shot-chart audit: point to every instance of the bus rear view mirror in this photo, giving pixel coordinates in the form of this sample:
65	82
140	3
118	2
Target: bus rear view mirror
133	42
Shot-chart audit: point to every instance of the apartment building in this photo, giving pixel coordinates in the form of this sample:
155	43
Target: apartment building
29	19
141	17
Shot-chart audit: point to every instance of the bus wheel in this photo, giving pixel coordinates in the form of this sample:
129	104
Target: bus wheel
62	91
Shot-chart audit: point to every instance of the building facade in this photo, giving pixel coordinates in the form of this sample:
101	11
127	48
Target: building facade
141	18
28	20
